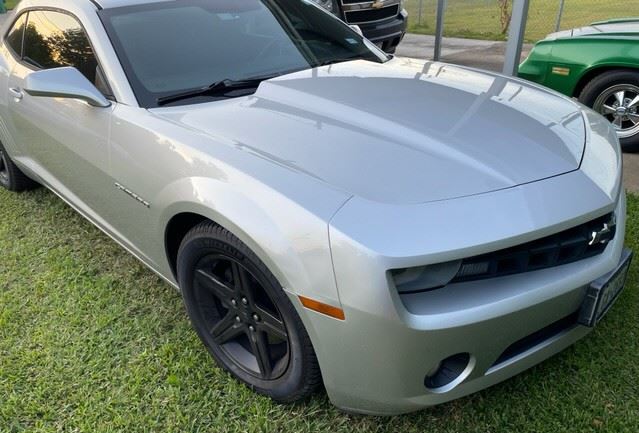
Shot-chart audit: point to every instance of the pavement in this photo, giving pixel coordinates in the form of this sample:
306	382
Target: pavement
468	52
631	172
479	54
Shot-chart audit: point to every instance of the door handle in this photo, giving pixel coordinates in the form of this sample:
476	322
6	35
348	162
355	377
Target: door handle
16	93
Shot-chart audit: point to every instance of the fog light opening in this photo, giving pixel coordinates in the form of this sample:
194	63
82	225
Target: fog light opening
449	373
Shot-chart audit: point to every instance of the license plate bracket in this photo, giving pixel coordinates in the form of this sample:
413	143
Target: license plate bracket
603	293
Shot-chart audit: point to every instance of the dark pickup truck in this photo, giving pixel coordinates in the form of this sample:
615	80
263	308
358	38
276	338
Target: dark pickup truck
382	21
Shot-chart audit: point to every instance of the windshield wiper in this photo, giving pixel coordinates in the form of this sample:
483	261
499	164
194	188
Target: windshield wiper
218	88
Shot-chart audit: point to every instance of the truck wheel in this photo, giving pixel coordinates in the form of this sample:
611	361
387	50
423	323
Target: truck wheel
615	95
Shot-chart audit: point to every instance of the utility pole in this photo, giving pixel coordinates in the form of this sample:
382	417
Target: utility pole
439	29
516	37
560	15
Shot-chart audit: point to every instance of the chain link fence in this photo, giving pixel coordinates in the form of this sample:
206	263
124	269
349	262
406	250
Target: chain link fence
485	19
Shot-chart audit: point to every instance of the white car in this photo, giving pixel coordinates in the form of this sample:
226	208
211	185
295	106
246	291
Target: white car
407	232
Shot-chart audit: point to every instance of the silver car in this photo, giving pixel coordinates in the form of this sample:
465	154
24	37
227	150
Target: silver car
405	232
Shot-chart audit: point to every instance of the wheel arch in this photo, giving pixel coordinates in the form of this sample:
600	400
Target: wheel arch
291	241
175	231
183	216
593	72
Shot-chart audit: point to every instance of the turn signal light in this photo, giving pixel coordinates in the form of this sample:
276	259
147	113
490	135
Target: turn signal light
320	307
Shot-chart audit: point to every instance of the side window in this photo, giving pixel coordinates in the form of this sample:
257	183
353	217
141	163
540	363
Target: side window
54	39
14	37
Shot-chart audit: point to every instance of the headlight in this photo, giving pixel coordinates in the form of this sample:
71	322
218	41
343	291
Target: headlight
326	4
423	278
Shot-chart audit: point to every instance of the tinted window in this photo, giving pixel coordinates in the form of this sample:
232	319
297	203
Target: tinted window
53	39
167	47
14	38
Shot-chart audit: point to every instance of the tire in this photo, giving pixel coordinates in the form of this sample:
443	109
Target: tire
611	94
238	309
11	177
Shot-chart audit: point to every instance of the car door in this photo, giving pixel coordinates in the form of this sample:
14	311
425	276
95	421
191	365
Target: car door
64	141
11	49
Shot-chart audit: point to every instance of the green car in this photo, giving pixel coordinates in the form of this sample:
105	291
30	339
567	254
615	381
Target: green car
599	65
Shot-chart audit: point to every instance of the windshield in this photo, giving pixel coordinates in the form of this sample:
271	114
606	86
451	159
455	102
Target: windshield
169	48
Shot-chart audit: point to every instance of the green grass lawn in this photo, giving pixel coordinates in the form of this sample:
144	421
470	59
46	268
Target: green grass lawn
91	341
480	18
11	3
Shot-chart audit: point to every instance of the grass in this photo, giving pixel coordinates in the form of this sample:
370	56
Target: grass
10	4
91	341
480	18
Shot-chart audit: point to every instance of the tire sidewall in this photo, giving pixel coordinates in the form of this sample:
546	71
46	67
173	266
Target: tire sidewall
6	182
604	81
194	248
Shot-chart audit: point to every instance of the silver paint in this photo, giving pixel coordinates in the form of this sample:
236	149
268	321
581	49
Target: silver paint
335	175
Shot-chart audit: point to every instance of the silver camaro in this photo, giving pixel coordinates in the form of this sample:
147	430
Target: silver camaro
404	232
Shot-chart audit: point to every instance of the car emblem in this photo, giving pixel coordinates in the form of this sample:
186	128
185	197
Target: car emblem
377	4
132	195
604	235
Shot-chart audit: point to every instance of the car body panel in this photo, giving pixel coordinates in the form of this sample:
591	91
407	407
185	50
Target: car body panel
62	140
433	325
412	151
194	173
319	181
582	52
440	232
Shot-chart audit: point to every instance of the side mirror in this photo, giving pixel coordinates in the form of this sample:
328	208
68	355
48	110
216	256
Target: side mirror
357	29
64	82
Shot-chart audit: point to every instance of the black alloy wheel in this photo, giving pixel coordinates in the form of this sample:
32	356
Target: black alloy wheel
240	316
243	316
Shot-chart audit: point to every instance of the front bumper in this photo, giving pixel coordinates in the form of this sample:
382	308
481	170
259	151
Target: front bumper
377	360
387	33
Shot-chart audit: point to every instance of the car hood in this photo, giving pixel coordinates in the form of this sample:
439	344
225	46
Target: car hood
616	28
405	131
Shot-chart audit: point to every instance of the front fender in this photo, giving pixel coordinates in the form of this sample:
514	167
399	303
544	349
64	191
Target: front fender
291	240
584	56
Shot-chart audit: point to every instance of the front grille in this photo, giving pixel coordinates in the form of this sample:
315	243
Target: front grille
369	15
559	249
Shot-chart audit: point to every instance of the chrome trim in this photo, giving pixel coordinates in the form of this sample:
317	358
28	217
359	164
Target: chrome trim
132	194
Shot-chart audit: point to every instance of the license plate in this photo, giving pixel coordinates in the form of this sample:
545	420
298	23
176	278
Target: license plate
603	292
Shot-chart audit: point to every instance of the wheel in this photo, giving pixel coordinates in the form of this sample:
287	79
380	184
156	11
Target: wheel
243	317
11	177
615	95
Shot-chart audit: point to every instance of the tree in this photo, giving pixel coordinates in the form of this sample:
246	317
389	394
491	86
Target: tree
505	13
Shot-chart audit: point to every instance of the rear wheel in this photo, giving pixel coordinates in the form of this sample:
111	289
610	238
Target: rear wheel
11	177
615	95
243	317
